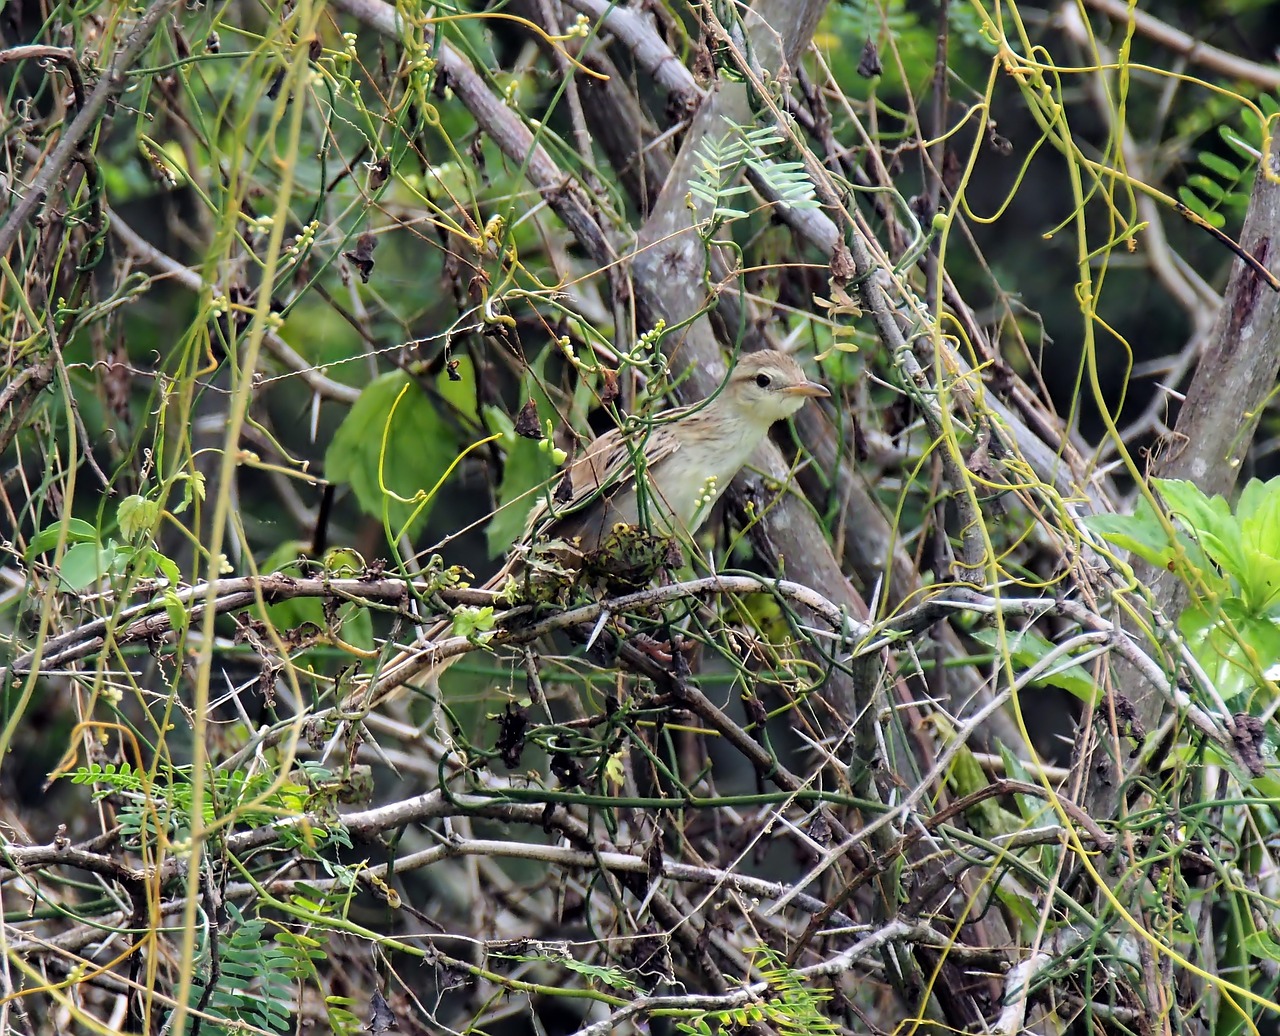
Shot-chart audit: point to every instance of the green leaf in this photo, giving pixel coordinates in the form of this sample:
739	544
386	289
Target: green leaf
966	776
1211	189
1209	521
1219	166
84	565
1026	648
192	489
1261	944
1018	901
1197	205
1145	534
527	467
176	610
137	517
1237	143
610	976
1139	534
420	447
1191	200
78	531
1260	586
1032	809
1234	646
353	622
1258	515
473	623
167	567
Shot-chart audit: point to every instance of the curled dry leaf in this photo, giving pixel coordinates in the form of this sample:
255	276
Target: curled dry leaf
526	423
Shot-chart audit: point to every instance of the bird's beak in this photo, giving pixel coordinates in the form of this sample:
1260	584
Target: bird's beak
807	388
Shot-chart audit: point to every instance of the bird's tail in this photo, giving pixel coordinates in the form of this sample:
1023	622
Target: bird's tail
418	666
412	667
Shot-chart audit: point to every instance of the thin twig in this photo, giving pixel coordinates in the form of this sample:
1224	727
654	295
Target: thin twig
113	81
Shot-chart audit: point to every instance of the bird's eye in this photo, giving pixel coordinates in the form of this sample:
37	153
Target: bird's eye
763	380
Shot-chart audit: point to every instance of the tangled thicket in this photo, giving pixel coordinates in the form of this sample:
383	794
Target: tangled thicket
959	713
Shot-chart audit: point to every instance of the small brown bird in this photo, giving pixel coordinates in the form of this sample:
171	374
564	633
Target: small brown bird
687	456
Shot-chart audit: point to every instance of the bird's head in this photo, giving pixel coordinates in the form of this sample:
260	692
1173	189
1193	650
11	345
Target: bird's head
768	386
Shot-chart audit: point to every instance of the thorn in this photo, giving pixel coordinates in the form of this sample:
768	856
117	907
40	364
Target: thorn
595	632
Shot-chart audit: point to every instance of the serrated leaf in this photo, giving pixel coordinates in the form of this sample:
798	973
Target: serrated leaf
166	566
1208	520
137	516
1258	513
176	610
473	623
610	976
1143	534
419	447
192	489
1234	646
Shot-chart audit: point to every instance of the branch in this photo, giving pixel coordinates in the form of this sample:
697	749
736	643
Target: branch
649	49
64	56
566	199
324	387
149	620
1230	65
1233	381
112	82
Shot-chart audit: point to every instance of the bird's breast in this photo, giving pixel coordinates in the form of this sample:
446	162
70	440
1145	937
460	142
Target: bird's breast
695	476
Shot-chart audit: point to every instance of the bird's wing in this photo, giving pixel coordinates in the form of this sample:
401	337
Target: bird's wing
605	468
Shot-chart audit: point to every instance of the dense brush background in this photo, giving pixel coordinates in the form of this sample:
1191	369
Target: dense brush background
301	304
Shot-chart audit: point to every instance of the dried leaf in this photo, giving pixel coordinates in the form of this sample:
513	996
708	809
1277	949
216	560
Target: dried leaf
526	423
378	172
842	268
361	257
564	489
381	1017
869	65
609	390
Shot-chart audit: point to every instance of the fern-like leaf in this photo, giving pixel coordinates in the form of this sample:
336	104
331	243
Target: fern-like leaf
255	978
1219	185
721	161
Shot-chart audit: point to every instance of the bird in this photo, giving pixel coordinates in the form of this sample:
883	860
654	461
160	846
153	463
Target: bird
664	473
